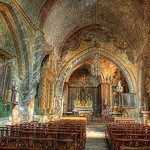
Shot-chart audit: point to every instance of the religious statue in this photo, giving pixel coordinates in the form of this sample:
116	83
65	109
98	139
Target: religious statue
105	102
145	104
83	102
115	108
147	81
14	93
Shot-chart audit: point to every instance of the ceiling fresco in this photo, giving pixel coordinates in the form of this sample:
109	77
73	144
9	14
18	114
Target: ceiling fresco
96	34
83	78
127	19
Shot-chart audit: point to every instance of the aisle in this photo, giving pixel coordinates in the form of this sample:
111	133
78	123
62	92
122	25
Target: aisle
95	137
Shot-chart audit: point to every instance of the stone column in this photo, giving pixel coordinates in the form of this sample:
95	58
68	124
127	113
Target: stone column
9	91
4	86
52	98
41	110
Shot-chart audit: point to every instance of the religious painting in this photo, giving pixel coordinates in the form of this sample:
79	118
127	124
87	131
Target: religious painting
115	96
128	99
83	78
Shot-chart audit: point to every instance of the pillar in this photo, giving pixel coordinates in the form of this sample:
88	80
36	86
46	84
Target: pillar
9	91
41	110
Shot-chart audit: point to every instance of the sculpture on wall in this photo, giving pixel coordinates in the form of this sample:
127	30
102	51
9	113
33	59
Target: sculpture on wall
14	93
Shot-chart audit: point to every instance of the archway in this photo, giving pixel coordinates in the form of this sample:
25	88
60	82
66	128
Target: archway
74	61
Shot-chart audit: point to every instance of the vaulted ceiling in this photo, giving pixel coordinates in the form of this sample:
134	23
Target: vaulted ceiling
129	19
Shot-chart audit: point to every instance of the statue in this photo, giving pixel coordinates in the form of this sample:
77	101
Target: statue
14	93
115	108
83	102
105	101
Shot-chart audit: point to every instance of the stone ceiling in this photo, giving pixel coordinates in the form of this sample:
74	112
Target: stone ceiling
129	19
126	18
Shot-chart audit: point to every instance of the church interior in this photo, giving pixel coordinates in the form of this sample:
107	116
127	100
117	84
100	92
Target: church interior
75	74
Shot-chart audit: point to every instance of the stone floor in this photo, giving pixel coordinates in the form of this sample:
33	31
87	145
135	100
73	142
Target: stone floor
96	137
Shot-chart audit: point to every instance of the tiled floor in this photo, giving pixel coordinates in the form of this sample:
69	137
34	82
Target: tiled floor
95	137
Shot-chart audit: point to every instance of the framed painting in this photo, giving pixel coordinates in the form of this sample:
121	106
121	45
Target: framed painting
128	99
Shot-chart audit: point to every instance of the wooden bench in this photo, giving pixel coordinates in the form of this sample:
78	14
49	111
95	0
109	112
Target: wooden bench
135	148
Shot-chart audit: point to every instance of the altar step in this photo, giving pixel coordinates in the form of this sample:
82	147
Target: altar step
96	125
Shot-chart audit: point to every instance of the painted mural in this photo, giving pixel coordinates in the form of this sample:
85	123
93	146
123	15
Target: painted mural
96	34
6	42
83	78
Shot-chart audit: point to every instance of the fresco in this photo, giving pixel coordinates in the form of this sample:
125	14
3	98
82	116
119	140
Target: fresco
96	33
6	42
83	78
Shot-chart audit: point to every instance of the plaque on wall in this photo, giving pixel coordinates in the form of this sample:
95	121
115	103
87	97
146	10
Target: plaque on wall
128	99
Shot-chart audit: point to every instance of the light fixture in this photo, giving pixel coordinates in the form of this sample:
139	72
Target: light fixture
96	68
119	88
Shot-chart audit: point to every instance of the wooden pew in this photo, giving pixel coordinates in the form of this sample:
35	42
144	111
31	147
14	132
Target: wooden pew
127	135
69	130
24	142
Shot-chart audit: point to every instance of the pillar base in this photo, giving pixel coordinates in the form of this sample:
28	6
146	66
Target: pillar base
146	116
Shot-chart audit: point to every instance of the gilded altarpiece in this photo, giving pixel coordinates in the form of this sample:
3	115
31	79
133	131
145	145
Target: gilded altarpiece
46	102
83	99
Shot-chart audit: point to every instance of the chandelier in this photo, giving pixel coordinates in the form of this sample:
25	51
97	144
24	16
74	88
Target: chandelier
119	88
81	3
96	68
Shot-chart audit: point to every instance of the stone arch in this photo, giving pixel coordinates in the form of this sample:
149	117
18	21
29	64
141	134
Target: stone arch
43	56
108	56
78	66
22	37
9	21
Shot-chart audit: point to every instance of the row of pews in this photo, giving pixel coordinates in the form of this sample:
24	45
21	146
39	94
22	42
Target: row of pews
128	136
54	135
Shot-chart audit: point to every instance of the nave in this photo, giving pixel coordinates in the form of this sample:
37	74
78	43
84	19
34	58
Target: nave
71	70
95	139
75	133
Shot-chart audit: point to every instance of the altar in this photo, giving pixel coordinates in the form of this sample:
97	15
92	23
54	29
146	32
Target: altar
83	112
